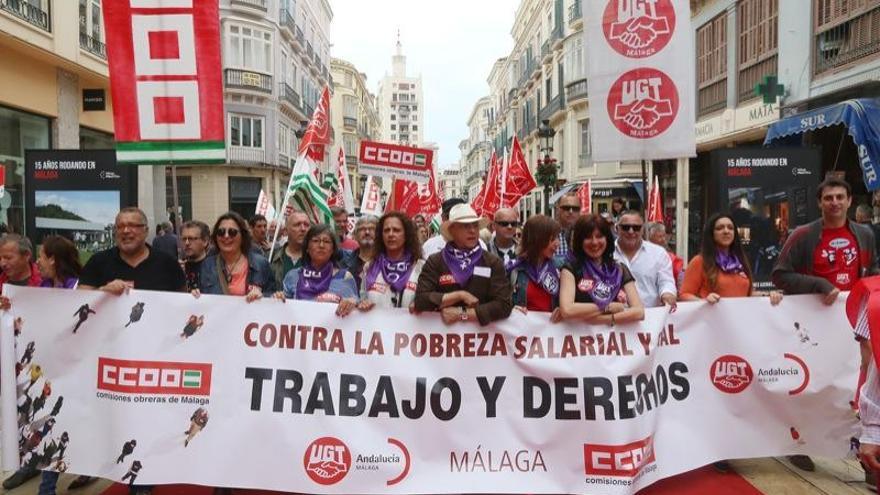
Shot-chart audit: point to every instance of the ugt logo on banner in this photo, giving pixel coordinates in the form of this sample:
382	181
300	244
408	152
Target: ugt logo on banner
165	77
643	103
638	28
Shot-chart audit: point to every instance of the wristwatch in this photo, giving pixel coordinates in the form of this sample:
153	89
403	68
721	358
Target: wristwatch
464	314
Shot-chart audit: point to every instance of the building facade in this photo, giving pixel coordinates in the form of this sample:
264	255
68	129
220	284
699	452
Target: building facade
354	117
451	185
477	148
401	105
275	66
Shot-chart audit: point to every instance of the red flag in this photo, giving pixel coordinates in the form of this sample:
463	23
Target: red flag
477	202
429	197
519	180
318	131
412	198
492	189
655	204
585	194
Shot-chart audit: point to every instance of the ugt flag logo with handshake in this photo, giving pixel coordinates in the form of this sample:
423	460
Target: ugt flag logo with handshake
643	103
638	28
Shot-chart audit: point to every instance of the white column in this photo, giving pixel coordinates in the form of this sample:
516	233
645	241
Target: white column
682	191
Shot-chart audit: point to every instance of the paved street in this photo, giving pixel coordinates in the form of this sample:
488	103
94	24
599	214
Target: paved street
769	476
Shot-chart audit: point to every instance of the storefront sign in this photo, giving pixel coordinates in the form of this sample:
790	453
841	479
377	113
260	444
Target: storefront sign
732	121
94	100
769	192
76	194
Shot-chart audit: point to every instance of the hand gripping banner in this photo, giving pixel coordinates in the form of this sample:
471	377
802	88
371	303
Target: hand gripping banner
164	58
166	388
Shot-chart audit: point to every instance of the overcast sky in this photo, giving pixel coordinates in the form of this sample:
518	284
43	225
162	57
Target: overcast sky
452	43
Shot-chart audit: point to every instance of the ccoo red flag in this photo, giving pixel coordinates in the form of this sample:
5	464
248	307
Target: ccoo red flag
413	198
518	180
318	131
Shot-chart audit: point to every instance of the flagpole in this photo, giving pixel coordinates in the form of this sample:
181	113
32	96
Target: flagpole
644	189
279	215
504	177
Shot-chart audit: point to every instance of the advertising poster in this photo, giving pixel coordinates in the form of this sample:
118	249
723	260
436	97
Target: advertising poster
769	192
76	194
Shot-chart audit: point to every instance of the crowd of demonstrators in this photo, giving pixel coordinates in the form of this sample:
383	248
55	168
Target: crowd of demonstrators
594	287
390	277
464	282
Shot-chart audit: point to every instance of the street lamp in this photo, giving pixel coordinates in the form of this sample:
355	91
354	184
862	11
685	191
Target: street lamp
546	172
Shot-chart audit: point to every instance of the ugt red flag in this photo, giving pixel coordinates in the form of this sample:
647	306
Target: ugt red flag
519	180
477	202
318	131
655	204
165	80
412	198
492	189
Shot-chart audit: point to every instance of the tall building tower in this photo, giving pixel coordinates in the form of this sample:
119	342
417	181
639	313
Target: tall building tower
401	106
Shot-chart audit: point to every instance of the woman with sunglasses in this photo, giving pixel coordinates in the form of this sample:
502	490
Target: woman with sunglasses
235	269
593	287
534	274
721	269
391	276
320	278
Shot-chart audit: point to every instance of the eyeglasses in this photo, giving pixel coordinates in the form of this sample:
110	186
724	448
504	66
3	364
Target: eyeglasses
570	209
321	240
628	227
221	232
191	239
129	226
507	224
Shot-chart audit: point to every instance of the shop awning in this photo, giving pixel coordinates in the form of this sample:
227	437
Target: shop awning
599	183
862	119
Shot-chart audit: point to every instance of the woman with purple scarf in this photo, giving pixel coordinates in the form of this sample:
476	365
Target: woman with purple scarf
391	276
721	269
320	278
535	273
593	287
463	281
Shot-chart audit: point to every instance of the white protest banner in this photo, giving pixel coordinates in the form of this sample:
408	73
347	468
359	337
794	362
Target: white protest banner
286	396
371	203
641	85
395	161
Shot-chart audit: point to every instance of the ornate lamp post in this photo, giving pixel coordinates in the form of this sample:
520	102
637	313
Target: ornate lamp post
546	171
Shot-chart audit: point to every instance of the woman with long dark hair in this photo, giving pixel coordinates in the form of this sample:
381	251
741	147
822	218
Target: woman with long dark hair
534	274
722	268
235	269
320	278
391	276
59	263
593	287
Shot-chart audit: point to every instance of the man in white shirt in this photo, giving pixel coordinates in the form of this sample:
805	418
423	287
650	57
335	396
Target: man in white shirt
648	263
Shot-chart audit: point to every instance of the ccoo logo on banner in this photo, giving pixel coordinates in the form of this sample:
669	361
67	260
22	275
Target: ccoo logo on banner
637	77
165	77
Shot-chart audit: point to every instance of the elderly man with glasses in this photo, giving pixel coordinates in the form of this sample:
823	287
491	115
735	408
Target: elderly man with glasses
503	243
648	262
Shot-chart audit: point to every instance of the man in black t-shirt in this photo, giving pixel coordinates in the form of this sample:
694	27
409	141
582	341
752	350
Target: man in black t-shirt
131	264
195	236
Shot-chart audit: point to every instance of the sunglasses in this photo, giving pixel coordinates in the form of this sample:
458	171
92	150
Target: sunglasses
570	209
507	224
629	227
221	232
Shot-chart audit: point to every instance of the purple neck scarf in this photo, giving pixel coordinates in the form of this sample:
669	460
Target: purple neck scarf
461	263
728	263
547	276
69	283
395	272
312	282
606	282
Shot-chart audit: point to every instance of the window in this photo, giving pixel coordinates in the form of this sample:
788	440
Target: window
758	34
283	139
349	142
712	65
393	127
249	48
95	140
574	60
845	32
393	117
243	194
584	149
394	137
184	194
415	128
21	131
349	106
246	131
284	66
349	80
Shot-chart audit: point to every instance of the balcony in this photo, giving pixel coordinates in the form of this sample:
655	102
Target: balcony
556	104
575	17
254	81
288	27
283	160
576	90
350	122
262	5
92	45
556	35
290	97
849	42
309	51
31	14
545	51
351	159
246	155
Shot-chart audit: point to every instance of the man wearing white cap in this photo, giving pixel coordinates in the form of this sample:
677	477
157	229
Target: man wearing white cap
464	282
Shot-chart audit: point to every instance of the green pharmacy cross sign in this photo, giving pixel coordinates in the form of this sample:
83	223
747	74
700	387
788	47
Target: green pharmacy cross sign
770	89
